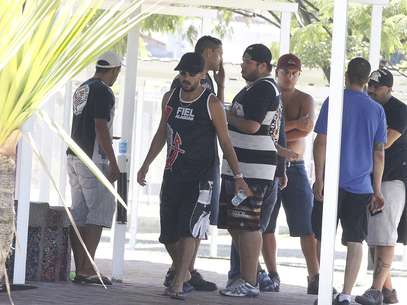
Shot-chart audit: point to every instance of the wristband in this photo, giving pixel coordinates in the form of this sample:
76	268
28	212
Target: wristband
238	176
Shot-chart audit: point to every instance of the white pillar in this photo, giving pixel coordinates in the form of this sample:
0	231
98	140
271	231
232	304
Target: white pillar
129	100
66	125
285	31
333	152
375	36
23	186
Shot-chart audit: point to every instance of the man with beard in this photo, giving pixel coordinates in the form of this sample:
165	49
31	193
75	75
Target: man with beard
382	228
211	50
191	119
253	124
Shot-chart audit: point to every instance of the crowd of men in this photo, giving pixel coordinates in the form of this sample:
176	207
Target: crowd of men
262	134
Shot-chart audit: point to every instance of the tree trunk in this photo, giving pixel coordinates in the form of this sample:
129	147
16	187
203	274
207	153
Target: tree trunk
7	215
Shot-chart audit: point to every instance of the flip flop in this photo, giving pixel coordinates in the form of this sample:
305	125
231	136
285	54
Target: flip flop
94	279
174	295
78	279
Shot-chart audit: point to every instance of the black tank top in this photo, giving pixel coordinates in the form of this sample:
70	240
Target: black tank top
191	137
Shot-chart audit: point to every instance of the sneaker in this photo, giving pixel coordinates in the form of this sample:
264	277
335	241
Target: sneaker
313	285
343	302
389	296
240	288
265	282
200	284
275	278
169	277
370	297
186	287
231	281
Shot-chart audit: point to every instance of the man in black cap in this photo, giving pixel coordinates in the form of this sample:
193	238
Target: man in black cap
382	228
211	50
253	124
192	117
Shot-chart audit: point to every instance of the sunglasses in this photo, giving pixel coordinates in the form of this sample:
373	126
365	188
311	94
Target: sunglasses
185	73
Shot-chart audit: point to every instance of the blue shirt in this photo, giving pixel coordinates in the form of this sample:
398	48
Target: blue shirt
363	125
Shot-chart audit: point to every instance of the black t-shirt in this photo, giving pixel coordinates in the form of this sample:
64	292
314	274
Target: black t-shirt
395	167
92	100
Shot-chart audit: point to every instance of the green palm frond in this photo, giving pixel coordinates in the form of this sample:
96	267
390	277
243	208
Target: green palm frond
63	40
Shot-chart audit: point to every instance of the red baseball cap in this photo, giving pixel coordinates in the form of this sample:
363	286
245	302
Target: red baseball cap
289	61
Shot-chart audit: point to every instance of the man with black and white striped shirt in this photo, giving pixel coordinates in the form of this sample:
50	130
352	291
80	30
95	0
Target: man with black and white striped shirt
253	124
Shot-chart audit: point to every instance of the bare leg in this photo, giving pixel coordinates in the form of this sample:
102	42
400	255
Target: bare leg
171	249
184	254
191	267
77	249
308	246
91	237
270	251
353	262
319	251
249	244
383	259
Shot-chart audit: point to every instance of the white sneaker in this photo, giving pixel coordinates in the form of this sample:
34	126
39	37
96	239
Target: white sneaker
240	288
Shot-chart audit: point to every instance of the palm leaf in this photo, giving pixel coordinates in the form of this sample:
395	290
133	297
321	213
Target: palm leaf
64	41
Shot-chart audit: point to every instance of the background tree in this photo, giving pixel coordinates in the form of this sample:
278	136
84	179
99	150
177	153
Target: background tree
312	31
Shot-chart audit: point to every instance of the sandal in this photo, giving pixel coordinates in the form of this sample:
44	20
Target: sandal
93	279
174	295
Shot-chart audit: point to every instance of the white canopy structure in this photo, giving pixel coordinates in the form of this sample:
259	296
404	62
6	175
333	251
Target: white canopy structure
132	117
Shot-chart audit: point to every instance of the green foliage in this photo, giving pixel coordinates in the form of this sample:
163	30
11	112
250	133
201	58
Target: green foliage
161	23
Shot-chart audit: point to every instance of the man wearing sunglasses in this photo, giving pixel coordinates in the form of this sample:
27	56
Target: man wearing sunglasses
211	50
192	117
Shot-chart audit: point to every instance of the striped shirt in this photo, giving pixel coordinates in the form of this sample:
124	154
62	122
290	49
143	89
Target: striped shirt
257	153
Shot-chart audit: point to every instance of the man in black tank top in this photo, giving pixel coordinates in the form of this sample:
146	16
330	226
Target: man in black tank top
211	50
191	118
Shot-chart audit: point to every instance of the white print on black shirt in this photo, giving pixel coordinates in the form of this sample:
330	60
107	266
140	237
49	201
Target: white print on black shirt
80	99
184	113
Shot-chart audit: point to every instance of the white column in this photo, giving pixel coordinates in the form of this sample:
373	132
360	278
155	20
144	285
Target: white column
285	31
66	125
333	152
23	186
129	100
375	36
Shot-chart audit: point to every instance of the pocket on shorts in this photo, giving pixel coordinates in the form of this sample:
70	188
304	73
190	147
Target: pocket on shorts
199	223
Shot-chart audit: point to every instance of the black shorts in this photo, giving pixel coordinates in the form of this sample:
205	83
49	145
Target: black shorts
246	216
185	209
352	212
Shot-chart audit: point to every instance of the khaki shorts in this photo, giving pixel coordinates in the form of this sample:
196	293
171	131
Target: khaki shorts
382	228
92	203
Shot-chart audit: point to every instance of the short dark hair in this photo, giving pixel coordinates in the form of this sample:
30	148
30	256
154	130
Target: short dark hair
207	42
358	71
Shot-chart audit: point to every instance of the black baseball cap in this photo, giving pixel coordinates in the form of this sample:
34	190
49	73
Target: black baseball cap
191	62
258	52
381	77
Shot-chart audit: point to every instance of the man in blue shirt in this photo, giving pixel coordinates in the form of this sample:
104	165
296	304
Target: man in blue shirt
362	160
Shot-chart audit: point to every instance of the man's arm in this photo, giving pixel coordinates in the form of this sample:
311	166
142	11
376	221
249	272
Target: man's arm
377	201
157	143
247	126
304	124
105	142
219	77
219	121
392	136
319	151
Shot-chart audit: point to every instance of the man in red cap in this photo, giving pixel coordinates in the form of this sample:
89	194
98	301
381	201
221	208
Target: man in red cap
297	196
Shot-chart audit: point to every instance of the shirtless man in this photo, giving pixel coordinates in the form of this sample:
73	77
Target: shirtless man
297	197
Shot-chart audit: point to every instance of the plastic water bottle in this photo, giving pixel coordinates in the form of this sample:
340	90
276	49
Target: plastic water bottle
123	144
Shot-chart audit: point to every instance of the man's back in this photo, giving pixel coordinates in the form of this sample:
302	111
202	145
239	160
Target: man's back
363	125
